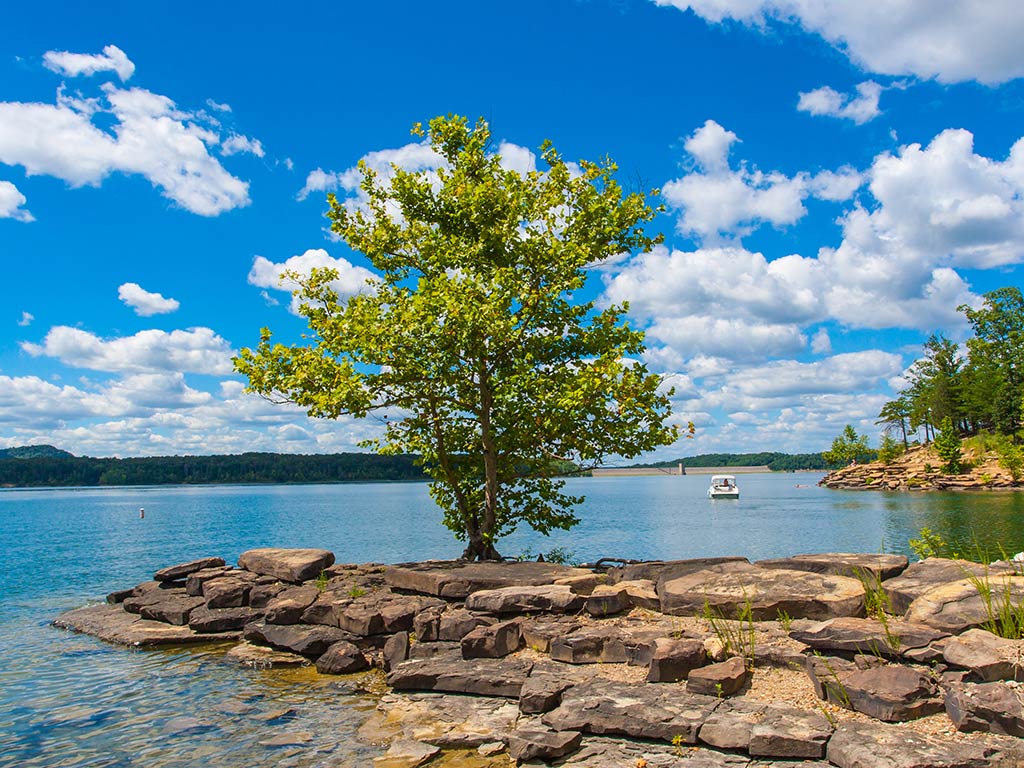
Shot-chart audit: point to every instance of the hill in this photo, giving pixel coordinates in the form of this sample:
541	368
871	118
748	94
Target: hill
34	452
777	462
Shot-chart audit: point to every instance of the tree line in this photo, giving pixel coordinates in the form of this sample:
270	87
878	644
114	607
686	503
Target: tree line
776	462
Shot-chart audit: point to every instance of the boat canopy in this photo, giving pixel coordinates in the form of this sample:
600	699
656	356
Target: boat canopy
720	479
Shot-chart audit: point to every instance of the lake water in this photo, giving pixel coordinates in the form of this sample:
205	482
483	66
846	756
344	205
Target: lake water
70	700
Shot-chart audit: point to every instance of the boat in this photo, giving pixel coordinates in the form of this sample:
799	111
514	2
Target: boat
723	487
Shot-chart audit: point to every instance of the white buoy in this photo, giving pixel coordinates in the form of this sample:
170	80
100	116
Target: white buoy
142	513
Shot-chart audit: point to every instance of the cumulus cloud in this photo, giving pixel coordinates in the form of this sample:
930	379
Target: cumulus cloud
828	102
717	202
197	350
145	303
951	42
113	59
351	279
149	136
11	202
412	157
236	144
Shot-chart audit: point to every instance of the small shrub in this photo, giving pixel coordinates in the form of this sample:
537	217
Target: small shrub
948	446
1011	458
930	544
739	636
356	591
785	620
1003	617
889	450
321	581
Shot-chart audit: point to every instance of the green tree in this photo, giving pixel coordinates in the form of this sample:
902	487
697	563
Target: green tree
471	339
847	447
889	450
948	447
895	415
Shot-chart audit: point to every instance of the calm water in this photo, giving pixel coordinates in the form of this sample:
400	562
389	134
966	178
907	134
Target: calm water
68	700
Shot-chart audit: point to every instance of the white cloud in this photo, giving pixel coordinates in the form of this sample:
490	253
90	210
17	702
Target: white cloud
351	279
11	202
150	136
218	107
26	319
197	350
412	157
950	41
145	303
113	59
831	103
236	144
821	344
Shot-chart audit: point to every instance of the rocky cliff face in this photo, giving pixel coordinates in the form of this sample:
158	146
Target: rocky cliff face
920	469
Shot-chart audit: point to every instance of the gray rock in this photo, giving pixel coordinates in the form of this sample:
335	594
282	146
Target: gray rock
598	752
640	711
856	635
729	726
722	679
864	745
990	707
430	650
543	689
927	574
892	693
544	744
205	619
112	624
341	658
546	598
987	656
458	578
493	641
396	650
288	605
854	565
731	587
480	677
310	641
674	658
178	572
293	565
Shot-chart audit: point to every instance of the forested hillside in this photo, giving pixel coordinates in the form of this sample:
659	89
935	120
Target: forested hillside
777	462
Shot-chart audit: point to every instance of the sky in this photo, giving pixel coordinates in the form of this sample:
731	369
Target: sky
836	181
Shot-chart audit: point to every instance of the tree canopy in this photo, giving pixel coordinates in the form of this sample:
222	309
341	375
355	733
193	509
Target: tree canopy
472	340
847	447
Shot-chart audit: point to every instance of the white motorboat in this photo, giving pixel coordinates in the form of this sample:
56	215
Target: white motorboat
723	487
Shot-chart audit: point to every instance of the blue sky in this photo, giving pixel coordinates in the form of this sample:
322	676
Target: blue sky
836	183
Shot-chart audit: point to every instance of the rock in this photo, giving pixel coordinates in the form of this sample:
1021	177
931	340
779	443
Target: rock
674	658
659	571
598	752
174	609
341	658
205	619
867	636
288	605
480	677
870	745
261	594
543	689
287	739
961	605
150	593
293	565
542	744
455	625
427	625
604	644
874	566
178	572
729	726
398	611
987	656
261	657
458	578
640	711
731	587
406	753
396	650
119	596
114	625
227	592
538	633
449	722
991	707
932	572
547	598
584	584
642	594
492	642
382	612
310	641
194	582
892	693
325	609
607	600
722	679
789	732
361	618
491	749
430	650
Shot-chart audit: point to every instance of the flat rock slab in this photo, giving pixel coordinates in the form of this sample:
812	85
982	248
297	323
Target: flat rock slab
988	707
849	564
538	743
455	579
665	713
659	571
856	635
293	565
892	693
730	587
112	624
987	656
869	745
453	674
960	605
180	571
932	572
260	657
311	641
451	722
406	753
600	644
598	752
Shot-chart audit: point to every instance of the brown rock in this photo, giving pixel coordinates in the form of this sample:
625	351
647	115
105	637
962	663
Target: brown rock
341	658
892	693
396	650
178	572
174	609
607	600
114	625
789	732
293	565
855	635
310	641
539	633
458	578
542	743
455	625
261	657
854	565
927	574
960	605
987	656
204	619
548	598
870	745
674	658
990	707
722	679
492	642
480	677
227	592
289	604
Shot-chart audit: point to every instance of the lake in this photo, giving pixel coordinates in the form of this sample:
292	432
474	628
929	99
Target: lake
69	700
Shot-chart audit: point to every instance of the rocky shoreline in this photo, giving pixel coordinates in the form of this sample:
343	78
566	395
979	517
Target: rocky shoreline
703	663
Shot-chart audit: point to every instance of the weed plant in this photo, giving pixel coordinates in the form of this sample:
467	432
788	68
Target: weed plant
738	636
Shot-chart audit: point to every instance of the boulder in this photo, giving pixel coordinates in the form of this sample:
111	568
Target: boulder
873	566
607	600
227	591
456	579
194	582
396	650
430	650
790	733
824	672
325	609
178	572
892	693
341	658
427	625
927	574
479	677
288	605
174	609
674	658
963	604
722	679
538	633
382	612
990	707
543	689
729	726
205	619
733	587
261	594
534	743
546	598
987	656
642	593
659	571
455	625
640	711
307	640
149	593
855	635
493	641
114	625
604	644
293	565
584	584
875	745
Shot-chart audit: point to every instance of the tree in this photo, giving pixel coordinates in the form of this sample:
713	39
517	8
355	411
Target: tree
847	447
471	341
948	447
889	450
894	415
